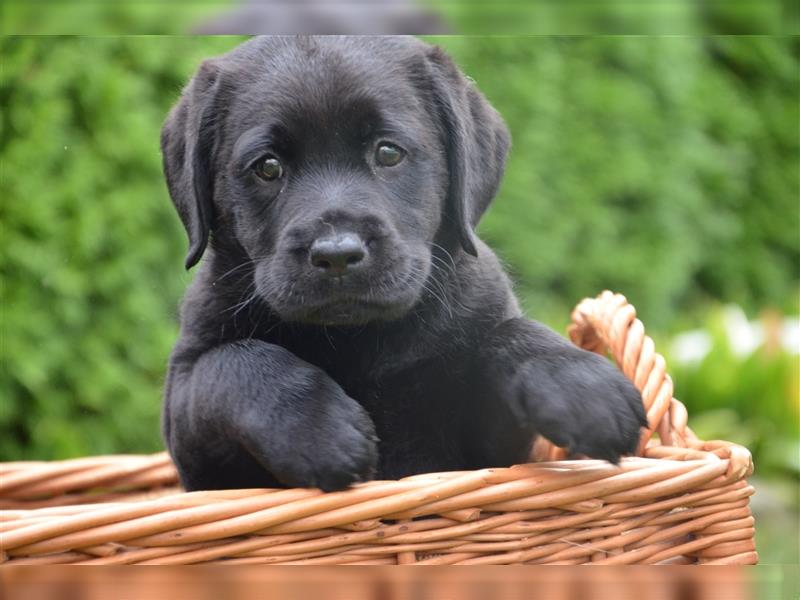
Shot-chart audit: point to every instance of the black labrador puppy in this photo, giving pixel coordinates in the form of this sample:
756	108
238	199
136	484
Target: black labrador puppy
346	322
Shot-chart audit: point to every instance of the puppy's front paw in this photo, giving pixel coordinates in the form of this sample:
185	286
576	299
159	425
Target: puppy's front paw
581	402
329	444
335	454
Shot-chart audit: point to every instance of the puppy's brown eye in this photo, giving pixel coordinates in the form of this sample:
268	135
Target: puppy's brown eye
268	168
389	155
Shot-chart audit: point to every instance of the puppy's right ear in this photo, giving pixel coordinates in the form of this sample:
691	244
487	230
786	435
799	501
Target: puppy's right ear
188	144
476	143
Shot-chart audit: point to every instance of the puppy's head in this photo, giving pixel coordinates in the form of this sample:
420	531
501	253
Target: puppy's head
335	167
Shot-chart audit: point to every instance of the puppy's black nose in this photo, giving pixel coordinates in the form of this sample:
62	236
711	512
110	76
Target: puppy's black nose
335	254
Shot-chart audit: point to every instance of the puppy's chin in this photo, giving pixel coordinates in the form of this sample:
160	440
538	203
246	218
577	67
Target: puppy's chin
307	297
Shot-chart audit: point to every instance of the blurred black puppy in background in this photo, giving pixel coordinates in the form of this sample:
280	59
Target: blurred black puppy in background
346	322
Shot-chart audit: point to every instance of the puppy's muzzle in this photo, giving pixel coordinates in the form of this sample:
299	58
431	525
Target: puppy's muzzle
338	254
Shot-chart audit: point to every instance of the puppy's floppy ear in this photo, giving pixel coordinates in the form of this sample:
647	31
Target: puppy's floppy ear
476	140
188	143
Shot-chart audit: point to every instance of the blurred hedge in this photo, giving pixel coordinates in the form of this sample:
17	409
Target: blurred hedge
90	265
665	168
662	167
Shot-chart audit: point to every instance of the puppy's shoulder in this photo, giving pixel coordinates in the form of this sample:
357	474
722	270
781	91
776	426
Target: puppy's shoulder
485	287
208	314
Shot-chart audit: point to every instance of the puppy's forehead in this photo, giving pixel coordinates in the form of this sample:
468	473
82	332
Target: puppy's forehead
317	79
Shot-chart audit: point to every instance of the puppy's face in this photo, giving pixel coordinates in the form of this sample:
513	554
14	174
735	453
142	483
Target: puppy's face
331	163
335	186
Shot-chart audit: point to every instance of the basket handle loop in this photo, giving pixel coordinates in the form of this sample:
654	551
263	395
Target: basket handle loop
608	323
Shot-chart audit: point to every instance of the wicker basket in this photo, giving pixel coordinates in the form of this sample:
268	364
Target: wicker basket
681	500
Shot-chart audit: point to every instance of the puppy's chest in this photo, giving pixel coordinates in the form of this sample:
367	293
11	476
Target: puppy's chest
395	378
423	394
353	358
383	377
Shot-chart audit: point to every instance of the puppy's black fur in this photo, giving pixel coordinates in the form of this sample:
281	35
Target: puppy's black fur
408	355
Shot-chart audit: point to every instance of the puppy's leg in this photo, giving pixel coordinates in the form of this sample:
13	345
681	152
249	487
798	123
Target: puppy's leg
248	413
574	398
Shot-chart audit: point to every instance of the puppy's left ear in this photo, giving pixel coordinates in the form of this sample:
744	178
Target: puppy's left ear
188	144
476	141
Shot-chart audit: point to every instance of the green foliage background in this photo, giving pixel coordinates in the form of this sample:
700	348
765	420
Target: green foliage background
91	245
665	167
662	167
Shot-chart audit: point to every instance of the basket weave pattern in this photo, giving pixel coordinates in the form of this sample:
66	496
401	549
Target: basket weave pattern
681	500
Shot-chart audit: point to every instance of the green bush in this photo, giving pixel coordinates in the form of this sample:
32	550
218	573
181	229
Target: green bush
752	399
91	250
665	168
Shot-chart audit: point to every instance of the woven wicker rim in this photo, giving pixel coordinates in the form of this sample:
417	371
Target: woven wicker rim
120	509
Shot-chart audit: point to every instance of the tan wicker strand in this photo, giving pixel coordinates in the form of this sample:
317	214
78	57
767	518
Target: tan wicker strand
682	500
50	479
